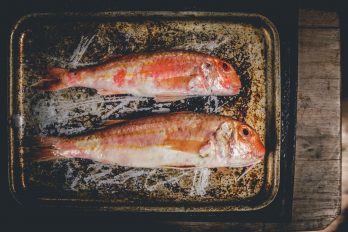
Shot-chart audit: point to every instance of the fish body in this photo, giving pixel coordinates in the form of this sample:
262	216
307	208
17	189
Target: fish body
164	75
174	140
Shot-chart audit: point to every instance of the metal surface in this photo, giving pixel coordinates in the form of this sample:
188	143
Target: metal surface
249	42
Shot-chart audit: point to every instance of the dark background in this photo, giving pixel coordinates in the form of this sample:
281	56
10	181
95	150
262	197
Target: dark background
15	215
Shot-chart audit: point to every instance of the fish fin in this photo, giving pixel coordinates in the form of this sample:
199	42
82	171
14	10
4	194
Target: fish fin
184	145
44	154
212	147
108	123
53	81
41	148
57	72
206	149
164	98
245	172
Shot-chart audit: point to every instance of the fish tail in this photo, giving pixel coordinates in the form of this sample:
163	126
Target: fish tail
54	81
41	148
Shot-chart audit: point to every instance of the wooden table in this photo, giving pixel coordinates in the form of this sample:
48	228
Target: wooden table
317	181
317	190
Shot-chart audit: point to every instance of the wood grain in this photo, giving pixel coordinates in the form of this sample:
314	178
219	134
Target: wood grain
315	18
317	181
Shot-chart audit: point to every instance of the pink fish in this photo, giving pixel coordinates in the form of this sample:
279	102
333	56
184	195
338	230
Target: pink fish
174	140
170	75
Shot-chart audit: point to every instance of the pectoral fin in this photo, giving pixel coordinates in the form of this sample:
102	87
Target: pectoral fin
207	149
191	146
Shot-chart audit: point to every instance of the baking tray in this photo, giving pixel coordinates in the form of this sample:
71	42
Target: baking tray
248	41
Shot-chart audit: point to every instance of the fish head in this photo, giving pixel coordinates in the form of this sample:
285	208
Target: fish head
234	144
246	146
217	77
226	82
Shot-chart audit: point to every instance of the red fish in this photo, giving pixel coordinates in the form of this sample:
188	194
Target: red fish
174	140
170	75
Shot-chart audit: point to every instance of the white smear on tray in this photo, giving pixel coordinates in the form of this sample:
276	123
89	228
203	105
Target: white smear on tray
50	111
208	46
60	110
130	174
101	176
74	61
158	183
80	50
200	181
212	105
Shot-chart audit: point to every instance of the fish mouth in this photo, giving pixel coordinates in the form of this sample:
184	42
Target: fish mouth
236	89
236	86
232	90
261	151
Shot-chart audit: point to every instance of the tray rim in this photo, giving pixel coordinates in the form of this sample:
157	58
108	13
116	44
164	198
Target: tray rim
20	196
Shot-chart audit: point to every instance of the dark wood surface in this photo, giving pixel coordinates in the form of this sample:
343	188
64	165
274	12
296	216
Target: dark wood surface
317	184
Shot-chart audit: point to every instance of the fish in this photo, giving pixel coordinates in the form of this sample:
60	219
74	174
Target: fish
165	76
179	140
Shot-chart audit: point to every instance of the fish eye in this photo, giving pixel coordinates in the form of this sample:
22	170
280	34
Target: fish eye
225	66
245	131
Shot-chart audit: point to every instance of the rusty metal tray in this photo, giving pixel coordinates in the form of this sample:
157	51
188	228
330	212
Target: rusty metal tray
249	42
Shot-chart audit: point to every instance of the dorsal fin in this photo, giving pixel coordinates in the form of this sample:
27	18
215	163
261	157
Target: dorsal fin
111	122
